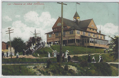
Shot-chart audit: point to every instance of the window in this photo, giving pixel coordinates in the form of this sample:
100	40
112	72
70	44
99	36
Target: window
59	24
78	32
83	33
100	37
92	25
63	33
88	34
97	36
50	35
89	28
93	35
71	32
56	34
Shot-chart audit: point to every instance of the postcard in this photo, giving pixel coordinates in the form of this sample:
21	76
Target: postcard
59	38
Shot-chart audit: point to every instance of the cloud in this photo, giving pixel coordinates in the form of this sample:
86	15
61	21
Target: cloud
42	23
7	18
44	18
17	16
108	29
20	30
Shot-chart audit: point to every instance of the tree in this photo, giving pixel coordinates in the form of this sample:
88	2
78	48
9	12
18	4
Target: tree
114	46
18	44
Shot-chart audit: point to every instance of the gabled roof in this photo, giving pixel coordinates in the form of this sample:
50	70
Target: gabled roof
80	26
84	23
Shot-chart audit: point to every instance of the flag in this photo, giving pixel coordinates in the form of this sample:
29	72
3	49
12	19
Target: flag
77	3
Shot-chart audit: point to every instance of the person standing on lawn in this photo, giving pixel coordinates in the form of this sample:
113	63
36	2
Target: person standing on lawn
69	58
17	55
93	60
2	54
63	57
89	58
58	57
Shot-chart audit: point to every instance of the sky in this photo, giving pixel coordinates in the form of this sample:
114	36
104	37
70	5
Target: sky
25	18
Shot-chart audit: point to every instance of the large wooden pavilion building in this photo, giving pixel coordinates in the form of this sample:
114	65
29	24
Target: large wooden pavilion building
77	32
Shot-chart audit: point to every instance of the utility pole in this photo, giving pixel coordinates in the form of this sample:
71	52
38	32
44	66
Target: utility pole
61	29
35	34
8	32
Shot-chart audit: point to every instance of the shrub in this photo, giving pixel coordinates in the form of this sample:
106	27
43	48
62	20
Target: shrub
66	67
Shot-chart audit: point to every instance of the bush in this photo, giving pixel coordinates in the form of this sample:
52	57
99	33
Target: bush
16	70
66	67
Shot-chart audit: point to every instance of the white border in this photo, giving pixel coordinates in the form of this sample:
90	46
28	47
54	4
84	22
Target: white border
52	76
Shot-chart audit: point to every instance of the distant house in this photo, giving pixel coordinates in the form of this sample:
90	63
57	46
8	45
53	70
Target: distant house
77	32
6	48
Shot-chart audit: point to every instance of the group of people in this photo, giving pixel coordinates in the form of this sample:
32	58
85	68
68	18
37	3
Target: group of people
63	56
6	54
31	50
93	59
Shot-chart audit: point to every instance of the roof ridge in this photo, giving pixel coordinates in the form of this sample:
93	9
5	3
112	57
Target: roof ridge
87	19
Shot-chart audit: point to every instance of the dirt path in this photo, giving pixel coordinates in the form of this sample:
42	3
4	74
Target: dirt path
86	54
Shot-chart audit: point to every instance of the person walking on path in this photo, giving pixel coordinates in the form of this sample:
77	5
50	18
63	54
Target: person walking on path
17	55
48	55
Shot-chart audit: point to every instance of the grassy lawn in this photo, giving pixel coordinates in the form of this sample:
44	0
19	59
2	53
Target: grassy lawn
77	49
106	58
114	68
18	60
43	52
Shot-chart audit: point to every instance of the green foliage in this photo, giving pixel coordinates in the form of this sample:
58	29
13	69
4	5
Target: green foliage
18	44
18	60
43	52
66	67
106	58
103	69
115	46
77	49
16	70
57	69
84	63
